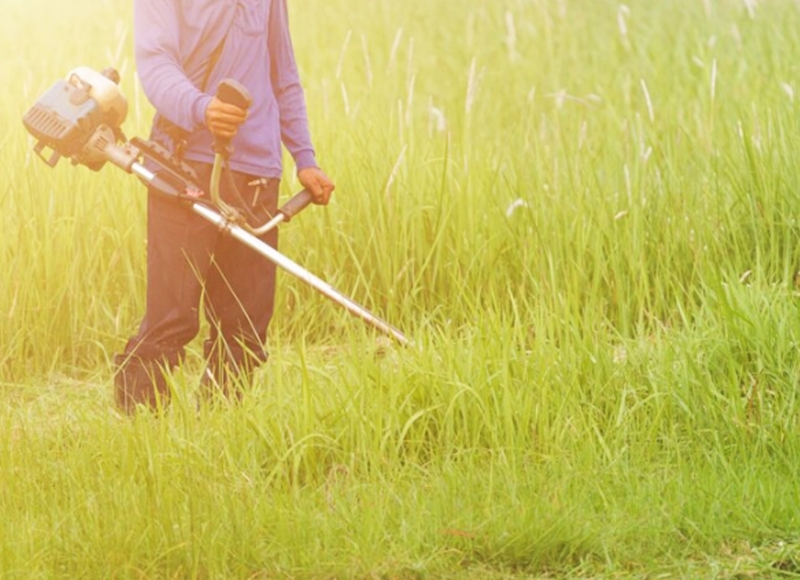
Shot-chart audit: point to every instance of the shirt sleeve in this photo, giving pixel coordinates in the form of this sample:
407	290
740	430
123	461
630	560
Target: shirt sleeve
158	62
288	90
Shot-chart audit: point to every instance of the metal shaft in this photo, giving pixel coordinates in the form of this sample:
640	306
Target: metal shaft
298	271
278	259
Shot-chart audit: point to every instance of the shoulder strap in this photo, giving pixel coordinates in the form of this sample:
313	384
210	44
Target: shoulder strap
212	62
175	133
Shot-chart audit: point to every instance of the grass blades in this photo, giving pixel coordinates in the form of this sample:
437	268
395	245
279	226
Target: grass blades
582	213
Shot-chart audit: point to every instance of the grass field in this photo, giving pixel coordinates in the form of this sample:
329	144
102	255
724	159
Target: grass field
585	215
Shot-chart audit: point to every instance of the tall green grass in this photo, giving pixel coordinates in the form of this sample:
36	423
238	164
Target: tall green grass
584	215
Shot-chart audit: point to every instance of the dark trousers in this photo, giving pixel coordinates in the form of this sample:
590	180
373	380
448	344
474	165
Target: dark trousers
191	263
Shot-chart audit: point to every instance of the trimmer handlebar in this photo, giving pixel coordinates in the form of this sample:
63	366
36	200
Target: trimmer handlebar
296	204
287	211
232	92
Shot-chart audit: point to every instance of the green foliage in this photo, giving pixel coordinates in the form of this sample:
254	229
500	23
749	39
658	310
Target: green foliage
582	212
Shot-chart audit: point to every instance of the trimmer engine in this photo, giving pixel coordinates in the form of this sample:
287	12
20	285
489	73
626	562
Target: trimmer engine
79	117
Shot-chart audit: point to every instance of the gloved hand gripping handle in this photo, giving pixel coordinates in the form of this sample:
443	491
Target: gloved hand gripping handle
231	92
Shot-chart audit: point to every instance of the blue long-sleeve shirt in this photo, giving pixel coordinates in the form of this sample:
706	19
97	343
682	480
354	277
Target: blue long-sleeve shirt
174	42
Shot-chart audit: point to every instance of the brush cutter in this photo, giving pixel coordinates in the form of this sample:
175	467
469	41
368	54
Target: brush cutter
80	118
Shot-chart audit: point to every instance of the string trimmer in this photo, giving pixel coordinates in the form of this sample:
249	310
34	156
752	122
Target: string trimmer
80	118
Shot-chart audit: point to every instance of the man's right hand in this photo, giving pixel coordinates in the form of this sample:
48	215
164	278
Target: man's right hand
223	120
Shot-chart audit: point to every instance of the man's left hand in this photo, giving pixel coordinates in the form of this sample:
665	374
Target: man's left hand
317	183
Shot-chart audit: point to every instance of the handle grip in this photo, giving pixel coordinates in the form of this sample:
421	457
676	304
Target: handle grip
233	92
296	204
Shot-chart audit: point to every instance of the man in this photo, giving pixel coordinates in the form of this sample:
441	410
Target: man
183	49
